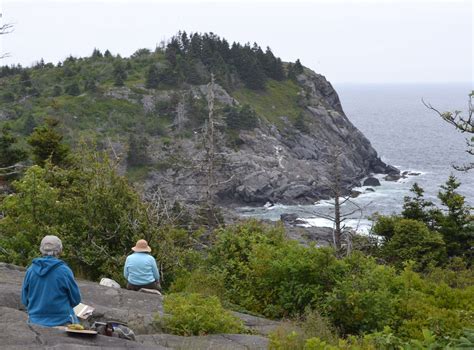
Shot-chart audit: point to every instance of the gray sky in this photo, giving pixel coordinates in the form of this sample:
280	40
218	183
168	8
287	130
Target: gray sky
347	41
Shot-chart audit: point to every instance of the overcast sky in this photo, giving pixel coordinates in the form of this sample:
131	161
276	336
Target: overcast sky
347	41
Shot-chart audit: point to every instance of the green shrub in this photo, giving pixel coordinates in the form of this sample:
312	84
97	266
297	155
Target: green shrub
411	240
89	206
442	310
200	281
365	299
194	314
295	334
268	274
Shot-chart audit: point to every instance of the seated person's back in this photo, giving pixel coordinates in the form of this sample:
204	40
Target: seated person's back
141	270
49	290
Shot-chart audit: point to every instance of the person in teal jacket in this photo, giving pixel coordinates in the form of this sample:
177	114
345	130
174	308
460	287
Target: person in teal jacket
49	290
140	268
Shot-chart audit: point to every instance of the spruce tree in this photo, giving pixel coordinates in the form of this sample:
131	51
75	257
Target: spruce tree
137	154
73	89
25	79
90	85
119	73
47	143
152	77
57	91
456	225
96	53
29	125
10	153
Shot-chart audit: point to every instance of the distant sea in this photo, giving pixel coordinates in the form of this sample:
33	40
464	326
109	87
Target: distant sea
406	135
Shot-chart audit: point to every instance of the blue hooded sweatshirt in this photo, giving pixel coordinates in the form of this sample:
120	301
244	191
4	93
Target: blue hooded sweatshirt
50	292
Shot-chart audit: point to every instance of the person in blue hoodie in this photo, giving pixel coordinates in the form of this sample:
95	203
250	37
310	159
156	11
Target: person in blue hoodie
140	268
49	290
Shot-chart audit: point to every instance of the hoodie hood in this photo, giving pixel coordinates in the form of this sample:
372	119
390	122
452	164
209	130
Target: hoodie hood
42	266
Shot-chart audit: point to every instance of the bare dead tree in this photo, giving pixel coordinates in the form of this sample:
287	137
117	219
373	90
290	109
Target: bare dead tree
464	124
14	169
5	28
342	234
210	146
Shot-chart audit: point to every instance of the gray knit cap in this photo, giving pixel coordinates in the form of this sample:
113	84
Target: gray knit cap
51	245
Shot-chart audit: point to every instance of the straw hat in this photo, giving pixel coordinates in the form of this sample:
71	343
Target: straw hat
142	246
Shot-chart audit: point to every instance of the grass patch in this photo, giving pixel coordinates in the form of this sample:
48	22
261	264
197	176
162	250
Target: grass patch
279	99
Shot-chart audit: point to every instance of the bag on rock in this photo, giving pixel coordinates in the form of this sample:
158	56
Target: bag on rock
109	283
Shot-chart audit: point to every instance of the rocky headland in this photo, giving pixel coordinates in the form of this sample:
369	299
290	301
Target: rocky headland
276	162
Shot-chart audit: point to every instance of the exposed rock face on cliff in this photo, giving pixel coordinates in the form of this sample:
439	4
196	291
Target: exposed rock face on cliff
276	161
134	308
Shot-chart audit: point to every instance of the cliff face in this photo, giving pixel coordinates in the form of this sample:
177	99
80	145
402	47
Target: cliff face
276	161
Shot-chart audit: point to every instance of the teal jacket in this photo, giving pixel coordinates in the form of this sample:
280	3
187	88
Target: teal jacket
141	269
50	292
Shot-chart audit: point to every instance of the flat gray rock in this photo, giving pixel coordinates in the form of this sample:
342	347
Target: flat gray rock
134	308
214	341
18	334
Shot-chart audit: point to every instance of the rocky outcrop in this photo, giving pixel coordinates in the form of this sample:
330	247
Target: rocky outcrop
134	308
279	163
371	181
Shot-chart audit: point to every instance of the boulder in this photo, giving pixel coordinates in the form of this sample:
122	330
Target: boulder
355	194
369	189
371	181
392	177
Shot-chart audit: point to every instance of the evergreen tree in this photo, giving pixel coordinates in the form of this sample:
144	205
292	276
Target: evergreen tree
141	53
96	53
273	66
40	64
73	89
29	125
240	118
90	85
46	142
57	91
137	154
195	46
298	67
119	73
25	79
456	225
107	54
8	97
10	153
417	208
152	77
295	69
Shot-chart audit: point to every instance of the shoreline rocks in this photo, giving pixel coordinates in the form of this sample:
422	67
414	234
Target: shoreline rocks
371	181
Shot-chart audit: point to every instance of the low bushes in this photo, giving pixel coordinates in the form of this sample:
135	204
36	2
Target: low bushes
194	314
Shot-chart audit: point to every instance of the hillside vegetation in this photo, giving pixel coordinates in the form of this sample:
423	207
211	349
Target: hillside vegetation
103	93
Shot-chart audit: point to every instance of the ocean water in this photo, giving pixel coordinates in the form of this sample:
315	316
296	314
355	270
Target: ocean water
405	134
